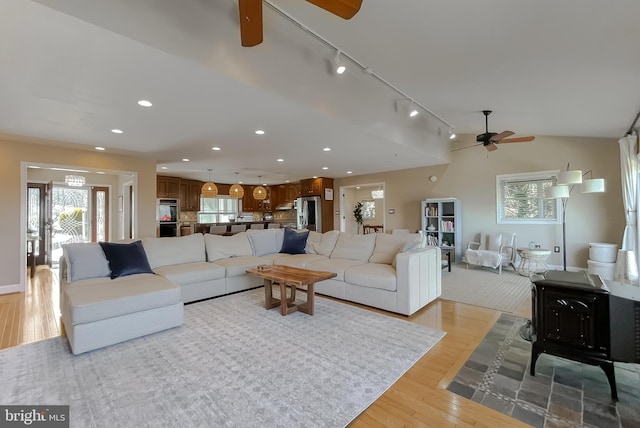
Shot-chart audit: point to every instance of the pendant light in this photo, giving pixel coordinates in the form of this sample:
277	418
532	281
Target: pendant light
209	189
259	192
236	191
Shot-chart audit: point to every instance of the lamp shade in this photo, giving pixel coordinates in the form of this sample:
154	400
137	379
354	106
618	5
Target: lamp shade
209	190
236	191
569	177
555	192
260	193
594	185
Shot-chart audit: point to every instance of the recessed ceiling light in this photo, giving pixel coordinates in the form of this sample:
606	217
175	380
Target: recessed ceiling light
216	148
259	132
100	172
349	172
315	176
145	103
325	167
280	160
185	160
264	184
287	181
240	182
100	148
326	149
117	131
163	167
357	187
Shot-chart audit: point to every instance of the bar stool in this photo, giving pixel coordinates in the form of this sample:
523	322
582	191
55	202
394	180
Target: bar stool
237	228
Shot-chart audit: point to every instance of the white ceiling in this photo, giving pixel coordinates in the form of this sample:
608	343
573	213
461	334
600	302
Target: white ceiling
73	69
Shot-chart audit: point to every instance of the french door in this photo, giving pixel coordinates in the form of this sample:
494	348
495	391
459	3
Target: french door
59	214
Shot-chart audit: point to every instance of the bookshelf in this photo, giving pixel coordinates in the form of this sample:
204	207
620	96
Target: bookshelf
441	223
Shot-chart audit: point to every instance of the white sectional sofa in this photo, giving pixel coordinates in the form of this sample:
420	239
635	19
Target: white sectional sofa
393	273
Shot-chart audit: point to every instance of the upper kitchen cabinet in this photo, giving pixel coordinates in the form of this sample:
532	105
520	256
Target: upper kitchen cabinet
190	195
292	192
315	186
168	187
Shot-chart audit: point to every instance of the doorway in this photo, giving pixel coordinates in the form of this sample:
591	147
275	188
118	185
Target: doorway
372	195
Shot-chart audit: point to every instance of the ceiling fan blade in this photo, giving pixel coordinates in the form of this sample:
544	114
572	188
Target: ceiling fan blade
491	147
517	140
345	9
250	22
500	136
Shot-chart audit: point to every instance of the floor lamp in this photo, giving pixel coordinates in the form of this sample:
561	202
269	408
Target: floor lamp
565	182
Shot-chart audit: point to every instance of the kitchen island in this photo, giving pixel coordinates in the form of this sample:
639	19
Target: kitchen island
204	227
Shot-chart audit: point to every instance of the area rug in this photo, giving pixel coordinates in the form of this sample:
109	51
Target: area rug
231	364
563	393
482	287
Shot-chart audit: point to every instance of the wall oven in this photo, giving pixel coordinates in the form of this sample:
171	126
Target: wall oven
167	217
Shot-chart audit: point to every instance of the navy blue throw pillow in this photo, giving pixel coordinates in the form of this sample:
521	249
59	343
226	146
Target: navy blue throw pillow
294	242
126	259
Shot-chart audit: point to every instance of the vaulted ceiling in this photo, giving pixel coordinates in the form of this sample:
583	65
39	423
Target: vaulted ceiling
72	70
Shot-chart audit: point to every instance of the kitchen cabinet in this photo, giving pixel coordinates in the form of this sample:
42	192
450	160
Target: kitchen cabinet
292	192
190	195
249	204
167	187
311	186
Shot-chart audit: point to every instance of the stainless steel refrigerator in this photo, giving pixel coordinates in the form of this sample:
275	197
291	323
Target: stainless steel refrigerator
309	213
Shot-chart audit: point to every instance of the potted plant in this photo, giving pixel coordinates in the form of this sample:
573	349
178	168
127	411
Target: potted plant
357	215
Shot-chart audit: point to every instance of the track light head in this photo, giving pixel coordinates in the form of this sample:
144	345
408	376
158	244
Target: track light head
452	134
413	110
338	65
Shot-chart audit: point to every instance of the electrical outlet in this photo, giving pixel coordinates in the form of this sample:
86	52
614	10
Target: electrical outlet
556	249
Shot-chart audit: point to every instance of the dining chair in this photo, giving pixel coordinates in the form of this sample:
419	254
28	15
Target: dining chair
218	230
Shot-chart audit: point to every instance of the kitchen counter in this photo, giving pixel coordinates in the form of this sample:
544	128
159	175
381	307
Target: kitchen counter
204	227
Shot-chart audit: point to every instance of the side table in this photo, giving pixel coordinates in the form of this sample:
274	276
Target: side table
532	260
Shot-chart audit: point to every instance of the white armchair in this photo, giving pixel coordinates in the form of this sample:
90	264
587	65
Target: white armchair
494	250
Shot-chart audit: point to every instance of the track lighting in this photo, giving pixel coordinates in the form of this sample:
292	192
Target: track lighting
338	65
413	111
452	134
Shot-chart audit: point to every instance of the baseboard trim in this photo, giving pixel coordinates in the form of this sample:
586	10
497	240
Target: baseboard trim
11	288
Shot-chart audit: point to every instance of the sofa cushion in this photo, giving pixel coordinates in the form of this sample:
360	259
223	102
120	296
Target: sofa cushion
98	298
354	247
237	266
264	242
387	246
297	260
126	259
322	243
85	260
294	241
174	251
373	275
339	266
191	273
222	247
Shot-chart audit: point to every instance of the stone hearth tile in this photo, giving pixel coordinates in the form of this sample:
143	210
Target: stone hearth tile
599	414
460	389
554	423
571	403
496	403
538	378
504	385
528	416
474	365
533	398
512	371
478	396
469	377
573	380
565	414
532	385
567	391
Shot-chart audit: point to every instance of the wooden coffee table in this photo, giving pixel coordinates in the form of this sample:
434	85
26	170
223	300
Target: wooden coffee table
286	276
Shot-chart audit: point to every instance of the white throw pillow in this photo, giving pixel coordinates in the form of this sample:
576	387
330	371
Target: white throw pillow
354	247
84	261
265	242
174	251
313	242
494	241
387	246
327	243
221	247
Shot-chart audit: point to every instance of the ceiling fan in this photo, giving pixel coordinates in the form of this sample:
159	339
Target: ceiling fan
490	139
251	16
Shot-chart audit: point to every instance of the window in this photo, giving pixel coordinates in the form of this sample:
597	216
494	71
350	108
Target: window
520	199
220	209
368	209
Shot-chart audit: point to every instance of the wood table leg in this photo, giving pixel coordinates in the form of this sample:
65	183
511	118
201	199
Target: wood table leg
286	306
307	307
269	301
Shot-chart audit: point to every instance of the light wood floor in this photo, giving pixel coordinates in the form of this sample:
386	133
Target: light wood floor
418	399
